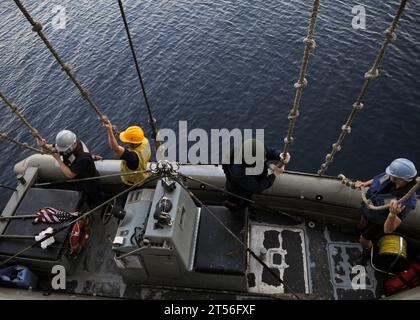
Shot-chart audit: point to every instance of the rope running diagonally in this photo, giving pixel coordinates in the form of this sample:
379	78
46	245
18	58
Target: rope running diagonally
137	185
250	201
37	27
369	76
4	136
12	106
239	240
91	178
369	203
302	81
152	121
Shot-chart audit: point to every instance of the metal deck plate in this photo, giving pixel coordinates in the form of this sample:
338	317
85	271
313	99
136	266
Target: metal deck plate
348	279
285	254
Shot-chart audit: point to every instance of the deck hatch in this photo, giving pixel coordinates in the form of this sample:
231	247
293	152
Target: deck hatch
283	249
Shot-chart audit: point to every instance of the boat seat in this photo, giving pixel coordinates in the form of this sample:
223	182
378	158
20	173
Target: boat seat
35	199
217	251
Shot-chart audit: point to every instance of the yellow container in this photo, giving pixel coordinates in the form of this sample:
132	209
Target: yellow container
392	245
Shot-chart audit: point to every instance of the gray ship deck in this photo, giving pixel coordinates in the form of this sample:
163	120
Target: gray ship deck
313	259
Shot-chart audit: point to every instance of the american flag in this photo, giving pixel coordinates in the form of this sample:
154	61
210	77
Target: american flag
52	215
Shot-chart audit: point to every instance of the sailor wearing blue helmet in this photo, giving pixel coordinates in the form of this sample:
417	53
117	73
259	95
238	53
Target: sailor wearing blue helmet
387	187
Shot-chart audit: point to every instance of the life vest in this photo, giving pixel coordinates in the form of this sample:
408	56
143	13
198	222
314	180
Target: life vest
79	235
405	280
143	153
92	188
79	152
380	182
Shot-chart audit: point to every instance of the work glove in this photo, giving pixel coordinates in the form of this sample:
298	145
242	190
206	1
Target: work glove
285	160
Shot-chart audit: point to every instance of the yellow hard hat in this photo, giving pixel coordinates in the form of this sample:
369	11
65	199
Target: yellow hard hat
133	134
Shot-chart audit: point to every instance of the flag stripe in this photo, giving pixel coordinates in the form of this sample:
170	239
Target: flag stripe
53	215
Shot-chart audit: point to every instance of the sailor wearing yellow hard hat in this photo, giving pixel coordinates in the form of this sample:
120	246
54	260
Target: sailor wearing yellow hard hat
134	154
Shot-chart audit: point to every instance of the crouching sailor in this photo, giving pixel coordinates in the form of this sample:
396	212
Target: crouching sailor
76	162
245	184
390	186
134	155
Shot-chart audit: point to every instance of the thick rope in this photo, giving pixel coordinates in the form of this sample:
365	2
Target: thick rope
369	203
302	82
91	178
250	201
4	136
7	187
65	227
192	195
152	121
369	76
37	27
32	129
15	110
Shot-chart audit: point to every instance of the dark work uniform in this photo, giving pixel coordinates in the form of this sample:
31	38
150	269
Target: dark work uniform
81	163
381	190
238	182
131	159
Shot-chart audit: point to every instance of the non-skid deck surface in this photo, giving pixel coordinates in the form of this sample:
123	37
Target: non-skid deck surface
311	258
96	273
217	251
35	199
316	260
284	252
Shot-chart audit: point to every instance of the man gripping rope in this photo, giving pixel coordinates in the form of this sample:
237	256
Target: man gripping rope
239	182
389	186
76	162
134	155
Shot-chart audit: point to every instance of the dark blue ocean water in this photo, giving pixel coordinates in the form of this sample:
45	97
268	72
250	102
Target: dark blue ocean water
218	64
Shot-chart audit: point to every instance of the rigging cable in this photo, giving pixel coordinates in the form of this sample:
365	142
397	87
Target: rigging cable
250	201
35	133
15	110
152	121
369	202
277	277
302	82
390	36
4	136
121	174
194	197
7	187
37	27
136	185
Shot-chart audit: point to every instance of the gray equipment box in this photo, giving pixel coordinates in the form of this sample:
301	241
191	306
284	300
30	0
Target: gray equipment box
133	226
157	242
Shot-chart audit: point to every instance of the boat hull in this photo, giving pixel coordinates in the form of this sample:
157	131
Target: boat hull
323	198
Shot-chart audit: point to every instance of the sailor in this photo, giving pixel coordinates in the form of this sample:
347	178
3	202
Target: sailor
245	184
389	186
76	162
134	155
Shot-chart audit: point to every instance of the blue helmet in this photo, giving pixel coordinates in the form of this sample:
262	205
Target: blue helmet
402	168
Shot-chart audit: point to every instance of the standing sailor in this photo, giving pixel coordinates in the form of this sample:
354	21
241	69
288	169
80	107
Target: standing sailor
389	186
244	184
76	162
134	155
